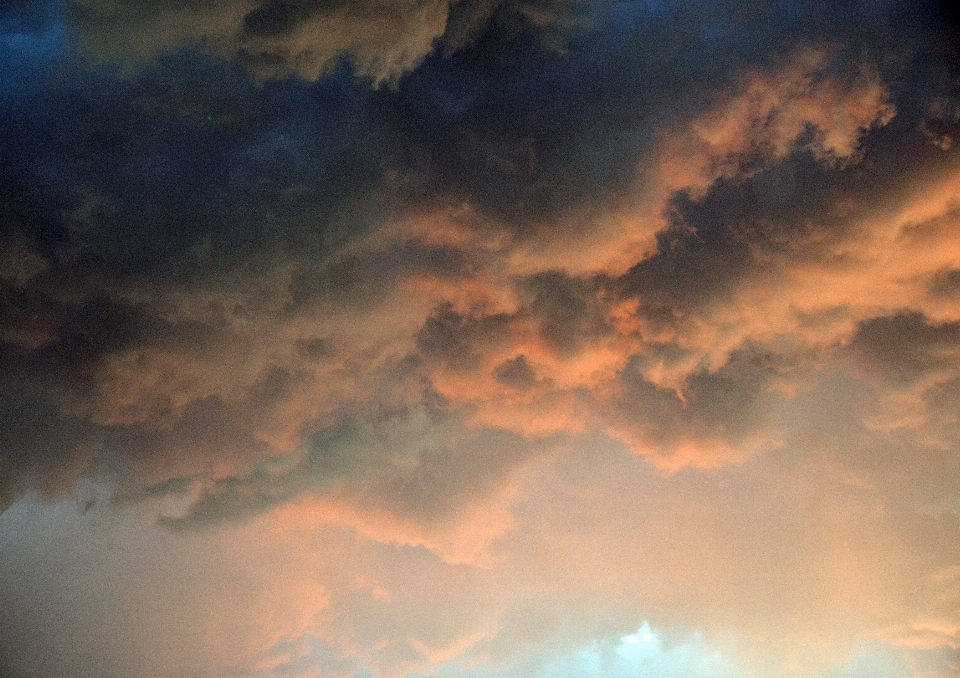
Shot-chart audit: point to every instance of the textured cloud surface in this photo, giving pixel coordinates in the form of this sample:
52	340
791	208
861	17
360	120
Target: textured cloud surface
532	339
381	39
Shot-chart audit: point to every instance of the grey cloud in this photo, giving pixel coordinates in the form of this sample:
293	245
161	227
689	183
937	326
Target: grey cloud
309	38
459	340
567	309
746	228
203	295
419	464
946	284
730	408
120	209
905	348
39	447
516	373
182	183
692	266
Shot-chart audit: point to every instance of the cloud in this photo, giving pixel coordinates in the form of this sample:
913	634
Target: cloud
905	348
595	313
277	38
415	477
767	116
411	305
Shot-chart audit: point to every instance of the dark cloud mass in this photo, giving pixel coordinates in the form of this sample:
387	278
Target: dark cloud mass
393	268
381	40
164	216
160	217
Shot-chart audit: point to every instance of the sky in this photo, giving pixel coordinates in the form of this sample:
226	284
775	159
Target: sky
479	339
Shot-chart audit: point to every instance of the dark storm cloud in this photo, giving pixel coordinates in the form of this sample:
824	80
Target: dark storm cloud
742	229
165	222
122	195
381	40
525	131
56	421
168	152
633	308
